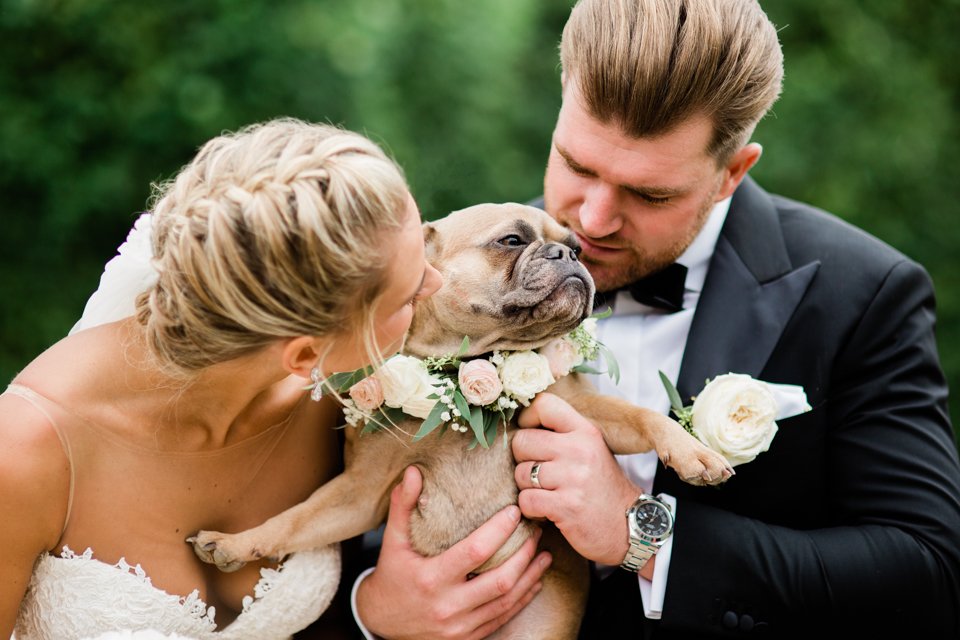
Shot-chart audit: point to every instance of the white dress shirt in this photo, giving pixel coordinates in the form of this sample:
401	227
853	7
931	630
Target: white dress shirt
646	341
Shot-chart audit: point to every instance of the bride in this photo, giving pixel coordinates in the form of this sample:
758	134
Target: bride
284	249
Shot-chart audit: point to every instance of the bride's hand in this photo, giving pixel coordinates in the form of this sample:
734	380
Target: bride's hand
410	596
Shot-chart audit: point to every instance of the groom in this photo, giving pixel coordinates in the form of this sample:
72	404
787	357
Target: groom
849	522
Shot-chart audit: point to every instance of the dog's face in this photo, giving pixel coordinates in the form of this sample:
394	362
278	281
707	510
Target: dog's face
512	280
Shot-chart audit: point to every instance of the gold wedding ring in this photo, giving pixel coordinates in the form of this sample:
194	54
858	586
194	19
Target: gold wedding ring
535	475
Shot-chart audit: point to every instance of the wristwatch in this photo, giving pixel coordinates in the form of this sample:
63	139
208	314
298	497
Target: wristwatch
650	523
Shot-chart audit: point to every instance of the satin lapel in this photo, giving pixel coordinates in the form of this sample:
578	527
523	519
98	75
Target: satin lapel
750	293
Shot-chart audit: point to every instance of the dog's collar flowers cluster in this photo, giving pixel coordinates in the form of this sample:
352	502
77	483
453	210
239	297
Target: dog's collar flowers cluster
450	392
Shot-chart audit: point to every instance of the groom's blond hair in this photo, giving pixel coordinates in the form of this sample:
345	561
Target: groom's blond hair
648	65
279	230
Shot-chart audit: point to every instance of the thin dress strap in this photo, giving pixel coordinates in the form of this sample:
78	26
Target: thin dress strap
38	401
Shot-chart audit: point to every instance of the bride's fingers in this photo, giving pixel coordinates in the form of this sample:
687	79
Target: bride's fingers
494	584
403	500
478	547
506	589
504	618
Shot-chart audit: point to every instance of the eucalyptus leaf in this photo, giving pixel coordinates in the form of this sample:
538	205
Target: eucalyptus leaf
394	414
675	402
490	420
432	422
613	369
585	368
344	380
477	425
384	418
463	346
490	427
461	404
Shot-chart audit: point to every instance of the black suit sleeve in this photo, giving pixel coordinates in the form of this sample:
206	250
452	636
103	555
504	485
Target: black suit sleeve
886	552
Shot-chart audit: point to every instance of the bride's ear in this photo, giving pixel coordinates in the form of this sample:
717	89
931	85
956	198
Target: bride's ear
300	355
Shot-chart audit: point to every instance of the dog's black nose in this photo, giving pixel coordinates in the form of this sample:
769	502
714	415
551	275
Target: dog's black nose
557	251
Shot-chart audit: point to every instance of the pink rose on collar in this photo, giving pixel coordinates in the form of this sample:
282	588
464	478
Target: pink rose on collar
367	394
563	355
479	382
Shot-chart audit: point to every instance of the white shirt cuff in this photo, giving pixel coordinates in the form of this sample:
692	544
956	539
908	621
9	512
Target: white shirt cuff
353	604
653	591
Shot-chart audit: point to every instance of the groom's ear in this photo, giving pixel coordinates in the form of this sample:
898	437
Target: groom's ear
737	167
300	355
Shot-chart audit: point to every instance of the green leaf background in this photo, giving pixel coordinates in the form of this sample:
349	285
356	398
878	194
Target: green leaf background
99	98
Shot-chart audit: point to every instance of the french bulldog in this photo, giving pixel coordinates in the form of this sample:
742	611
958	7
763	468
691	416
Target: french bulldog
512	281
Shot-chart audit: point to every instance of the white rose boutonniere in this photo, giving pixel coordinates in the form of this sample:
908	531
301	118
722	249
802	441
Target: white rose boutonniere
735	415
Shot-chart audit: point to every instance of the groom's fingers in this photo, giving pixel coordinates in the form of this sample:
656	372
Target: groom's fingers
552	442
550	411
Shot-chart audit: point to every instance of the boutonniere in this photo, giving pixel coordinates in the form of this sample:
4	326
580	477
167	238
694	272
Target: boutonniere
464	395
735	415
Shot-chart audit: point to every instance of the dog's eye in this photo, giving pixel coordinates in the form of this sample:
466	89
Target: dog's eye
512	240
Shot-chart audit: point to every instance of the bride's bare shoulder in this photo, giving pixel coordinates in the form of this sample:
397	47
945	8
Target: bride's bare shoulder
34	492
34	474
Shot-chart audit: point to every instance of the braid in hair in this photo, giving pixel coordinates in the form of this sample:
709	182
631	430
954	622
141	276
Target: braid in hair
275	231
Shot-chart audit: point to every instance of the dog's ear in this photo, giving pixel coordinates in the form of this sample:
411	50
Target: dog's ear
432	239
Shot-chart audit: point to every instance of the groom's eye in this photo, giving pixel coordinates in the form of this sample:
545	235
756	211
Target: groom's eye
512	240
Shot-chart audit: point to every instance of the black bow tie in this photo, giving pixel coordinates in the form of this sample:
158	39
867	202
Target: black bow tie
660	290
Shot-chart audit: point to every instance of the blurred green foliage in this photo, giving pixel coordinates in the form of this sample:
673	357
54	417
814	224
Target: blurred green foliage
99	98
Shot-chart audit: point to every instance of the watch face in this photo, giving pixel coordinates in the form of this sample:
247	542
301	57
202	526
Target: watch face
652	519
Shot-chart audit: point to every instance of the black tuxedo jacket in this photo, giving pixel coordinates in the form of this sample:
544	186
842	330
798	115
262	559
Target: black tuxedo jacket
851	520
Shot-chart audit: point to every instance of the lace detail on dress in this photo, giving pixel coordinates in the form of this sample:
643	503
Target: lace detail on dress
193	605
75	596
267	578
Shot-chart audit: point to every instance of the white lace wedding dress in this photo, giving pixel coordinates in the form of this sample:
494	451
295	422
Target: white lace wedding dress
73	596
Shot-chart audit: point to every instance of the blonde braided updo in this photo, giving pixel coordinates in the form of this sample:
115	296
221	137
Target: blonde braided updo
278	230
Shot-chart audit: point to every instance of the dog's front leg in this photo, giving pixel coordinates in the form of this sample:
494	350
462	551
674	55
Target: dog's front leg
628	428
346	506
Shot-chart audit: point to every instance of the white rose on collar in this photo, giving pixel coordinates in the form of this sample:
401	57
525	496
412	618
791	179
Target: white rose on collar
408	385
525	374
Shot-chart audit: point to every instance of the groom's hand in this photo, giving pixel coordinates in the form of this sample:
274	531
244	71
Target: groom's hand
582	488
410	596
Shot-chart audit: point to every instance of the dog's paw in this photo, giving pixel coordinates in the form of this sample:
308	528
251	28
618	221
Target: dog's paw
215	548
697	464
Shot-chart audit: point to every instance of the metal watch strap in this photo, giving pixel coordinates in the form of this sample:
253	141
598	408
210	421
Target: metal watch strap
637	555
642	545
